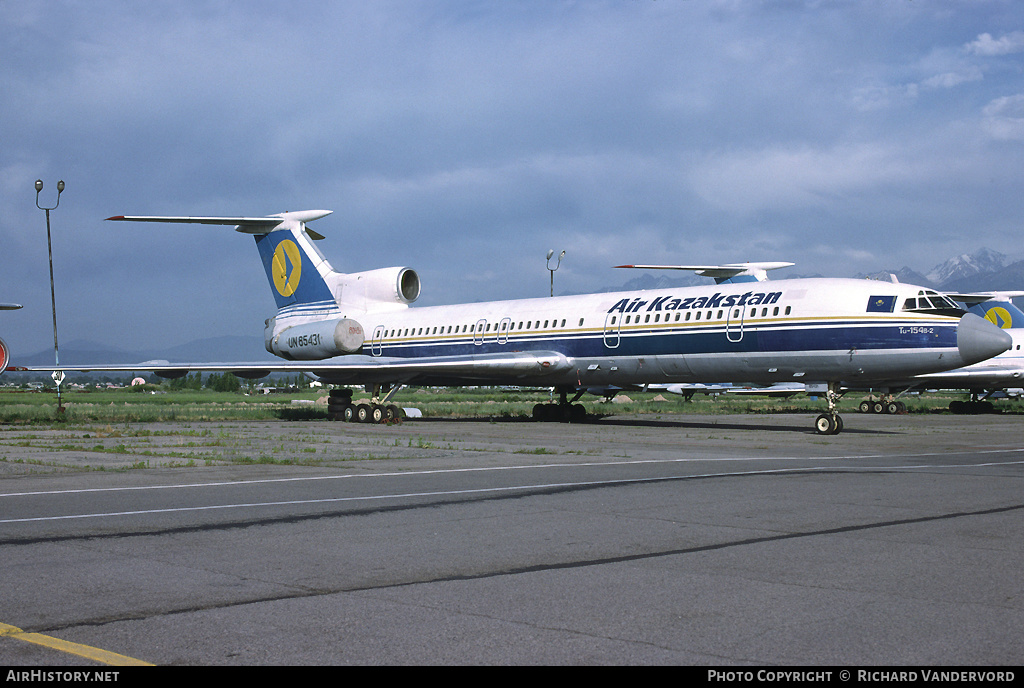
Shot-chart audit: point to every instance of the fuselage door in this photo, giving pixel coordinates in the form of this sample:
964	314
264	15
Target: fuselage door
612	328
478	333
734	324
503	328
377	343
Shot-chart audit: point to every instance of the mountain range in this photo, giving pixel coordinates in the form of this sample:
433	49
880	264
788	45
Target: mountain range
984	270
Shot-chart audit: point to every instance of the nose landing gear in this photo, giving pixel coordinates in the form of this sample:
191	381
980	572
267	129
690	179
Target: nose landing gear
830	423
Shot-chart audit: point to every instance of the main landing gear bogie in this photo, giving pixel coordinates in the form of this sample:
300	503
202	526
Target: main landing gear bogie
566	410
889	406
563	413
972	407
340	407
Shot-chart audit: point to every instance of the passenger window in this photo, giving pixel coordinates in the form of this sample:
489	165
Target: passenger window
687	316
776	311
789	309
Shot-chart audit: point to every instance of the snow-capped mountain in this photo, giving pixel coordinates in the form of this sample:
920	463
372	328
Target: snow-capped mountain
966	266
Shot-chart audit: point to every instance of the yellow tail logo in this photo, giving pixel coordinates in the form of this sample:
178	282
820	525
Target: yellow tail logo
287	256
999	316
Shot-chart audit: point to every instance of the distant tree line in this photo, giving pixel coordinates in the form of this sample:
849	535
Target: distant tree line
226	382
220	382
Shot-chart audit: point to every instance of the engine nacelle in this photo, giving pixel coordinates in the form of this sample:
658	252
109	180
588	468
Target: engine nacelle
5	356
382	286
319	340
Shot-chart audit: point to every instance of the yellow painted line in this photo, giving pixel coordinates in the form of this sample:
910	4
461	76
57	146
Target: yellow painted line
93	653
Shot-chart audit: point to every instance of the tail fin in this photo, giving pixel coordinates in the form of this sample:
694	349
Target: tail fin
996	307
301	279
1002	313
297	271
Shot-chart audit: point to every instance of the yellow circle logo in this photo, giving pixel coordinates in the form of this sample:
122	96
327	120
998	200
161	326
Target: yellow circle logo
287	267
1000	317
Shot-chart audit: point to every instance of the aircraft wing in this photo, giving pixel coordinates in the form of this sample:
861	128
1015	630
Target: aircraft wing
9	306
721	273
982	296
980	376
363	370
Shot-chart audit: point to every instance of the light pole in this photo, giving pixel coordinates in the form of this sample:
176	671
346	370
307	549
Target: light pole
58	374
552	269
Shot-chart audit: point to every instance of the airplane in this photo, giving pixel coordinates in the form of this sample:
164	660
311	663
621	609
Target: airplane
359	329
982	380
5	353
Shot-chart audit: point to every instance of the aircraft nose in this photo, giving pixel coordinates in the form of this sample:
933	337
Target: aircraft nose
978	339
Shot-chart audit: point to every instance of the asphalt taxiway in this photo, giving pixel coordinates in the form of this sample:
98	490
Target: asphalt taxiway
676	539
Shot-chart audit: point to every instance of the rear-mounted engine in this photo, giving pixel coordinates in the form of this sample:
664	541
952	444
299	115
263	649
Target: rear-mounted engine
317	341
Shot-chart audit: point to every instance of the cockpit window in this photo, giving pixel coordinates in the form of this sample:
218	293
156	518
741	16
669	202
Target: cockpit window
932	303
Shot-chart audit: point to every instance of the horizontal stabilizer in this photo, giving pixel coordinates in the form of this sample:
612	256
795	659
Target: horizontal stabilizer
248	225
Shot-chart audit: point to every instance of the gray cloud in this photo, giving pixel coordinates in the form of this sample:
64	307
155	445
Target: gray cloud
465	139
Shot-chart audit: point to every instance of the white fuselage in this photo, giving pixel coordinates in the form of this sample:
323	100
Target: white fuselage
805	330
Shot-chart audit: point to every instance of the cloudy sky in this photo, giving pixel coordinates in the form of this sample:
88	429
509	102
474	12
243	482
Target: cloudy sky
465	139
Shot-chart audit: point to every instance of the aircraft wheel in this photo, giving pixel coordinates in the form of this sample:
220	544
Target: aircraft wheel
865	406
578	413
540	412
377	413
348	414
363	413
826	424
892	408
877	407
392	414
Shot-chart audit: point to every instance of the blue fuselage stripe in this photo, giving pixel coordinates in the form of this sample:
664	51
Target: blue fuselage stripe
653	342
